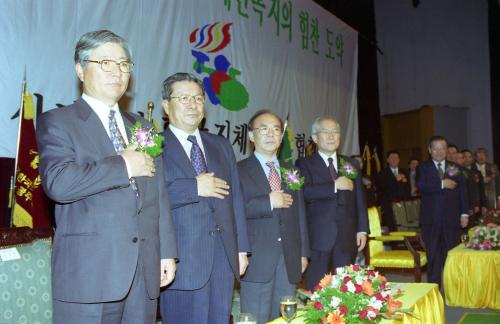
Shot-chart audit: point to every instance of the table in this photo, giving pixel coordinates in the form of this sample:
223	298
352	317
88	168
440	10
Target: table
424	299
472	278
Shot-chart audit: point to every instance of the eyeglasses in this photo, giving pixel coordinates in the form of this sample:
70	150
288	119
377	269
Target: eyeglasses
107	65
185	99
265	130
329	132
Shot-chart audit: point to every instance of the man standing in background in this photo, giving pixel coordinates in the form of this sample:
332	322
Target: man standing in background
444	206
412	176
395	186
491	178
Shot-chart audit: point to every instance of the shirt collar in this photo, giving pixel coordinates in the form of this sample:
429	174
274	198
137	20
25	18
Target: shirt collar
98	106
264	160
183	135
326	157
443	163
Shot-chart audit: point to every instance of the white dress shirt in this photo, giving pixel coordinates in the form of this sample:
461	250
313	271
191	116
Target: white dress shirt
481	168
102	111
335	164
182	137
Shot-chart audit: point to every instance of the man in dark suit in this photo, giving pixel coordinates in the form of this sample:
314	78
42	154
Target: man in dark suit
276	223
112	210
451	153
475	185
412	176
491	179
443	206
395	186
207	210
337	217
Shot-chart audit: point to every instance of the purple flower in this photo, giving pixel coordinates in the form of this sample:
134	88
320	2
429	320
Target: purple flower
144	138
453	170
348	168
292	177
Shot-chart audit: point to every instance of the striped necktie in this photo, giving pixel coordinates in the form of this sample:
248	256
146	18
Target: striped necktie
119	144
440	170
115	135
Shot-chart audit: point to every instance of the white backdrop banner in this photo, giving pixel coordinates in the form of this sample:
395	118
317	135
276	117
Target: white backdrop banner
292	57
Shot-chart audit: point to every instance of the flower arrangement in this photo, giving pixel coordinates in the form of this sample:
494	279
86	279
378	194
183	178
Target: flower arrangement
492	216
147	140
347	170
485	237
292	178
452	170
353	295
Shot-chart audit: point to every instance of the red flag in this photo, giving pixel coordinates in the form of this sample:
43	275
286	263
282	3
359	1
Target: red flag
31	204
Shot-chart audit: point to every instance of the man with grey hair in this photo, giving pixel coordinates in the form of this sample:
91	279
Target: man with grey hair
337	218
114	244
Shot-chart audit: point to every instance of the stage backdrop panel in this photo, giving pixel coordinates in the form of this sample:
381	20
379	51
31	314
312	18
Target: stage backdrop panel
292	57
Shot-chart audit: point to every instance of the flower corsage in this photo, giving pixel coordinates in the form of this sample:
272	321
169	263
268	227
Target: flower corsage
347	170
452	170
292	178
147	140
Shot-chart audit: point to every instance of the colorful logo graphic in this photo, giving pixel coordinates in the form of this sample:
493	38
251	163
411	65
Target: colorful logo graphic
221	85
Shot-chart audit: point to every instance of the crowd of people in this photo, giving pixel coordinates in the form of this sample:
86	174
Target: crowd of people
482	182
192	220
456	188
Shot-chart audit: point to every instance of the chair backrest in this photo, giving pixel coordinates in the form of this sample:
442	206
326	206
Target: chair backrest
413	210
399	210
374	221
25	276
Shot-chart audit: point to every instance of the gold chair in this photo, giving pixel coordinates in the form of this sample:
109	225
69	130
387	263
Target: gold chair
379	257
406	214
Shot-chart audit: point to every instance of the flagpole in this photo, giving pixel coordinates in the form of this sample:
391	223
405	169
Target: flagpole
285	125
13	184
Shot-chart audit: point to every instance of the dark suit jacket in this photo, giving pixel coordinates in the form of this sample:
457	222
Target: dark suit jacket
441	206
475	187
265	226
393	189
102	229
489	191
329	212
195	217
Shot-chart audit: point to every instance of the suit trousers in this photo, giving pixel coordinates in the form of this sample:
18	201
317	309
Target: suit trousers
323	262
438	240
263	298
135	308
211	304
388	218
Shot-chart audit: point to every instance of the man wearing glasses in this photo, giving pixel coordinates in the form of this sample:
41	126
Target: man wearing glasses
207	210
335	203
276	222
109	256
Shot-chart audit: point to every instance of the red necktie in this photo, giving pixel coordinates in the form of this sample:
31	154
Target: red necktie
273	177
333	171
